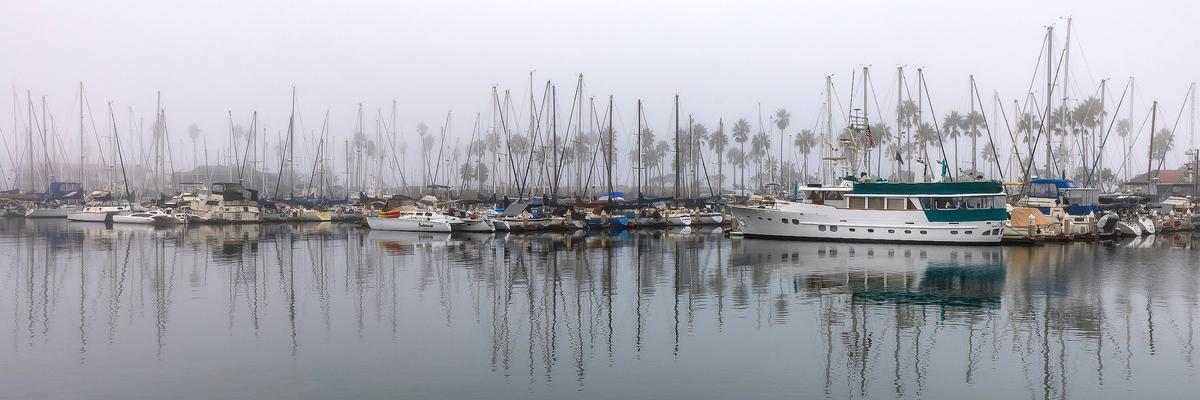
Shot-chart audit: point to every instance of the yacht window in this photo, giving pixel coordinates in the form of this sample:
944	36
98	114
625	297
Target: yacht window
795	221
987	233
833	228
870	231
833	195
907	231
875	203
858	203
953	232
896	204
783	220
1043	190
851	229
967	232
891	231
924	232
821	228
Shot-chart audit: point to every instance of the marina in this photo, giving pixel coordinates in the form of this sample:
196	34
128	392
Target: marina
461	199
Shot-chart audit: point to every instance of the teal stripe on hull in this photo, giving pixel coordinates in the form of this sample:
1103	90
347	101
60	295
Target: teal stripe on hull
990	214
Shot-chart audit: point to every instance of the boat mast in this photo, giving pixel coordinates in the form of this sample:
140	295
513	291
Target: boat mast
639	149
82	177
1150	148
866	125
609	150
554	139
1066	71
677	176
1049	100
827	141
900	119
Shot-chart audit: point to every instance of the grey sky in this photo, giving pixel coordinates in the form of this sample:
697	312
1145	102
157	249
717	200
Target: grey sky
721	57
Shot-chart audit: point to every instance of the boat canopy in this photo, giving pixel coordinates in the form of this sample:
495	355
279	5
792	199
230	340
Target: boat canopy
930	188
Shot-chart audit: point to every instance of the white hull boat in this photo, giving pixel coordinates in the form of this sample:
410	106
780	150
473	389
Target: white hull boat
156	218
949	212
55	212
478	225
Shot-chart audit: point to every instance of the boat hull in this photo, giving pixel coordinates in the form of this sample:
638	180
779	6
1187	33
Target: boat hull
59	212
818	223
408	225
474	225
90	217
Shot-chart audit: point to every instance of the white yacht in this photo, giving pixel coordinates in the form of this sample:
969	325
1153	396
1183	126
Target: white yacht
102	211
152	217
941	212
413	221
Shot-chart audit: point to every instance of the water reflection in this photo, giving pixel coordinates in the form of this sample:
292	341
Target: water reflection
326	310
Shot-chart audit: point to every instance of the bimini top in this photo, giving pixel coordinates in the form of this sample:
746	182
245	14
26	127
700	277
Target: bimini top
930	188
1058	183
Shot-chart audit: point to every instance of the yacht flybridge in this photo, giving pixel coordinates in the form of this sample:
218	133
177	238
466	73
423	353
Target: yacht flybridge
936	212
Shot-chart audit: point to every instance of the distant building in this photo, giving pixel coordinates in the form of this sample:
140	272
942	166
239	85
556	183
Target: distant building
1162	182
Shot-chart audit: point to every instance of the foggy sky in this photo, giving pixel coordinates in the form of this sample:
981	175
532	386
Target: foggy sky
723	58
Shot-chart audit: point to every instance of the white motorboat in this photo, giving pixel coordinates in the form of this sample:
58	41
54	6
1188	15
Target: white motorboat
413	221
152	217
225	203
100	211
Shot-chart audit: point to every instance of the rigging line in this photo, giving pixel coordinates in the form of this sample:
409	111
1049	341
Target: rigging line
1004	115
1104	139
507	133
1128	156
470	151
1044	126
320	149
1079	144
1171	138
991	141
534	129
936	128
599	141
570	120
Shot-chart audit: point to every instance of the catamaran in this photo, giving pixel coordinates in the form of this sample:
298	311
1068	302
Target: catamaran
936	212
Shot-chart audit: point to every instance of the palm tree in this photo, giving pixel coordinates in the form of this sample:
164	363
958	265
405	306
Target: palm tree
882	133
952	127
760	146
1163	143
194	133
806	142
925	134
738	158
741	133
971	123
782	118
1124	128
716	143
989	155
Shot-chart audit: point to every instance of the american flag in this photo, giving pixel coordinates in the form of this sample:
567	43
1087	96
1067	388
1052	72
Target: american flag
870	138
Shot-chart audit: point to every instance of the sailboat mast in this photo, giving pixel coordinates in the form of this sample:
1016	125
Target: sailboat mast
899	115
609	150
1049	100
554	139
677	176
1150	148
866	125
639	149
827	141
82	176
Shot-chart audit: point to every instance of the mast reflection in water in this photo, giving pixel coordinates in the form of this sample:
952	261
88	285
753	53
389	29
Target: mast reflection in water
330	311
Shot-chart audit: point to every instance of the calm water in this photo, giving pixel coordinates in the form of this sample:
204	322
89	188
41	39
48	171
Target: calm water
330	311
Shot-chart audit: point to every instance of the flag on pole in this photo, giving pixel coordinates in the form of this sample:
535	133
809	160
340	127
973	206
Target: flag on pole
870	138
899	158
